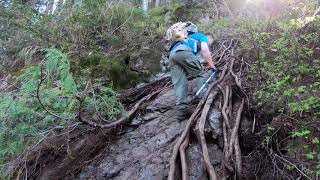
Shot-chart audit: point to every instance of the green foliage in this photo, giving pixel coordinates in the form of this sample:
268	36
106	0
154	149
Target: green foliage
23	119
91	25
283	77
285	67
305	105
105	102
269	135
162	16
302	133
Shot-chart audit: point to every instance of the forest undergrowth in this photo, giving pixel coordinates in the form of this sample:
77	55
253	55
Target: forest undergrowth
271	64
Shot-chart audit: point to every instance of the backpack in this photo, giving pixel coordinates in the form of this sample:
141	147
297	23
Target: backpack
189	42
191	28
177	32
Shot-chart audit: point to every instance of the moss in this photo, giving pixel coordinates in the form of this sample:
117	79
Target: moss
113	70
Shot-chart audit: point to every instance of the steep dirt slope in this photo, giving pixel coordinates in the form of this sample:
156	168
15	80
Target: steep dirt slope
144	152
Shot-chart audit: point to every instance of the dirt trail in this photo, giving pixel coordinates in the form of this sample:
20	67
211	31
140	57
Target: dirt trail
144	152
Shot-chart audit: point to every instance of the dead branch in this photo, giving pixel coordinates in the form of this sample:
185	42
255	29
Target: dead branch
226	5
285	160
224	51
201	137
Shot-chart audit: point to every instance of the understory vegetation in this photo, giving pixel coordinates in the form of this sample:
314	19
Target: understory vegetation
46	100
283	54
89	52
55	59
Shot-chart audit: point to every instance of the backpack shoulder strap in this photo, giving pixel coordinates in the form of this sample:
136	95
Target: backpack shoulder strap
194	45
178	43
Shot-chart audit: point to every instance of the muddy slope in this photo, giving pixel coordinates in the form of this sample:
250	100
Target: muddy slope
143	152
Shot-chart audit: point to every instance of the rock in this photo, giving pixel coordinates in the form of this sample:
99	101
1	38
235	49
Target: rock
164	102
145	152
140	154
136	121
215	124
196	166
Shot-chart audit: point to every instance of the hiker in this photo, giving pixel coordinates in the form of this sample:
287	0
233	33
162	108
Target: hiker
187	48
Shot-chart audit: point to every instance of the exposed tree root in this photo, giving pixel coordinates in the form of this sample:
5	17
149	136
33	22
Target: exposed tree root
189	124
234	137
183	159
131	96
134	99
77	147
119	121
200	135
230	124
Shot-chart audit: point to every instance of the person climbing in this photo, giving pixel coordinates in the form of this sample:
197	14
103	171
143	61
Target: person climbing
184	60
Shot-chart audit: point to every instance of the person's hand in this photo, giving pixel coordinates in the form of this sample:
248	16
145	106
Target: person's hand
214	68
208	67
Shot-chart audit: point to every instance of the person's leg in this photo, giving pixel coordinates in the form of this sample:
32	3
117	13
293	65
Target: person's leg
191	64
179	79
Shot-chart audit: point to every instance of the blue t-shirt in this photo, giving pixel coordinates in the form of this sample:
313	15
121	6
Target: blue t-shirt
199	37
193	42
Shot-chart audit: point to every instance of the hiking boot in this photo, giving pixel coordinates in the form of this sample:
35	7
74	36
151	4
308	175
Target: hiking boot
183	112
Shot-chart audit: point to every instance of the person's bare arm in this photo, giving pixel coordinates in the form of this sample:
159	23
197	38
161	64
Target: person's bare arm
206	54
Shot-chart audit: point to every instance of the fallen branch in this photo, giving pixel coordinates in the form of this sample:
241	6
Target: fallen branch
283	159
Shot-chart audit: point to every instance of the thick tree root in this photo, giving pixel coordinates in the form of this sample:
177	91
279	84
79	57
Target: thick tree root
191	121
121	120
184	166
230	124
200	135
